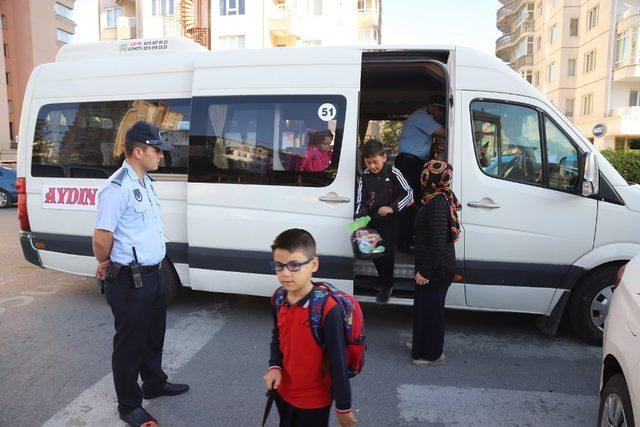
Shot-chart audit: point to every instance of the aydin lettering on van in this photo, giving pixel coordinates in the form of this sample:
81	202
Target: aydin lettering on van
70	197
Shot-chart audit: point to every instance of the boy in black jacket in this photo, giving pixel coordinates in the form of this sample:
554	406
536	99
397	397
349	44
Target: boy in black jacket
382	193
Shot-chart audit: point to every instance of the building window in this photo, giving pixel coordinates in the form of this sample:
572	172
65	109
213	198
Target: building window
553	33
314	7
551	69
64	36
587	105
536	78
232	42
11	131
592	17
538	44
634	100
625	47
10	105
571	68
573	27
568	107
162	7
112	17
231	7
311	43
64	11
368	36
6	50
590	61
528	76
368	6
3	20
7	77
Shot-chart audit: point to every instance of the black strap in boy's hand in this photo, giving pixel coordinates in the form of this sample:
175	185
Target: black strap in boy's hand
271	395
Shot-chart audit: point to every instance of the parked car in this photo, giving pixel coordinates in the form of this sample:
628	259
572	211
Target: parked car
8	192
620	380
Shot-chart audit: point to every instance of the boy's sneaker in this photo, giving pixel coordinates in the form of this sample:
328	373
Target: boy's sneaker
408	344
384	295
424	362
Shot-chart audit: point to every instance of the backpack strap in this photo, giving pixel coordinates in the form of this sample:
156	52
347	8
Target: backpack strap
278	298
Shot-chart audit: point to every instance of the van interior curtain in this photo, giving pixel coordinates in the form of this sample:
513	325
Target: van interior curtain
218	116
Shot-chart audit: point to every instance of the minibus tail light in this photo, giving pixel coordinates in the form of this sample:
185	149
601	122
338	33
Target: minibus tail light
23	216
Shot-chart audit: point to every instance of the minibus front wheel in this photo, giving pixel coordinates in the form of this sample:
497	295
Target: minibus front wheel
590	302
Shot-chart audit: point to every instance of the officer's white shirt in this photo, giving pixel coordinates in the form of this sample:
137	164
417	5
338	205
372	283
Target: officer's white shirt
131	211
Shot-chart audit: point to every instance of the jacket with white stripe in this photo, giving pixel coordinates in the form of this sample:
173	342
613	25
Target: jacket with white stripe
386	188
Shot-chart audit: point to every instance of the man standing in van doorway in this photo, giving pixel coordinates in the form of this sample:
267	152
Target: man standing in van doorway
128	242
414	146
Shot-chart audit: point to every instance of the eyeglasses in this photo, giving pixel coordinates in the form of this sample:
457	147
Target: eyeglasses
292	266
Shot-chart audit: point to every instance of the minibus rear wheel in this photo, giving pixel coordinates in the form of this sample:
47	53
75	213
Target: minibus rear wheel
590	302
171	281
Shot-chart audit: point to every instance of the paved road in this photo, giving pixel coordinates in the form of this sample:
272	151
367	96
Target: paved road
56	331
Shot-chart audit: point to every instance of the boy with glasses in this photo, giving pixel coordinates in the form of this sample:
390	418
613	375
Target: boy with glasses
306	378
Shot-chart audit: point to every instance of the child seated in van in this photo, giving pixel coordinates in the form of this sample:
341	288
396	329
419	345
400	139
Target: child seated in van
319	152
382	193
305	384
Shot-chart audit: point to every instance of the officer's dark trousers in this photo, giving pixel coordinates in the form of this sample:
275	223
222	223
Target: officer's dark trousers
388	229
428	321
140	322
411	168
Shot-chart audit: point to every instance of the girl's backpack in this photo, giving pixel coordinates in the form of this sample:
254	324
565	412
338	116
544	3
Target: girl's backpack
353	320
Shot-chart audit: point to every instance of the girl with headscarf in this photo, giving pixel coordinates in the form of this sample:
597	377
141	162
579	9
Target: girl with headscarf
437	227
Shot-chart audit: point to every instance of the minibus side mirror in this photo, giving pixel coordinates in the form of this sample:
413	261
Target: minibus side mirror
590	180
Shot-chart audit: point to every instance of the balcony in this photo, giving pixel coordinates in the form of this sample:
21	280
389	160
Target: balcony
126	28
523	61
625	121
199	35
368	18
503	45
506	10
527	26
632	11
627	70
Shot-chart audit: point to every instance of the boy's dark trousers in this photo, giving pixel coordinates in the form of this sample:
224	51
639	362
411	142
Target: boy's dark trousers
290	416
388	229
140	321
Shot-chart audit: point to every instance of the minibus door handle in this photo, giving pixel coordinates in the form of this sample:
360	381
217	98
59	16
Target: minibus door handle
483	205
333	197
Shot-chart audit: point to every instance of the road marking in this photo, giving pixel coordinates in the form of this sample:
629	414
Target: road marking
496	407
96	406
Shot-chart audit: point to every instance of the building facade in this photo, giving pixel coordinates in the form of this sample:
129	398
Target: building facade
583	55
32	33
234	24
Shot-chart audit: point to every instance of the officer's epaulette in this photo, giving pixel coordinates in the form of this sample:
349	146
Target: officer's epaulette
149	176
118	178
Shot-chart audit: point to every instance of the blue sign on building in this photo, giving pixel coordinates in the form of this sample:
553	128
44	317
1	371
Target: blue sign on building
599	130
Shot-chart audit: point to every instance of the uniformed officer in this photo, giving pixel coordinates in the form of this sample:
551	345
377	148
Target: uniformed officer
129	244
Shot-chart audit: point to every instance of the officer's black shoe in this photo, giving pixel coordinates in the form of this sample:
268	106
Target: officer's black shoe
169	389
138	417
384	295
405	248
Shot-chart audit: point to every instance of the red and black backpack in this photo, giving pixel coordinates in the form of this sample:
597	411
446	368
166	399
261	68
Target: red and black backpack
353	320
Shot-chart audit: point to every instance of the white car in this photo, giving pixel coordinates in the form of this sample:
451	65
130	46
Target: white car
620	381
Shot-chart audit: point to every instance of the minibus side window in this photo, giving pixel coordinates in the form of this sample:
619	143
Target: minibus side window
292	140
86	139
562	156
507	141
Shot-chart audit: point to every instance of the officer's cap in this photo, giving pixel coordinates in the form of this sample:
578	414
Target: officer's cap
438	101
146	133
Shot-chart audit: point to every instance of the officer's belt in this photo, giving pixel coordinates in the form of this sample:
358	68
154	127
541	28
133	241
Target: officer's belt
145	268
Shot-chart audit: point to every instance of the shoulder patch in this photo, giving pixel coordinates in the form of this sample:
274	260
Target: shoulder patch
119	177
149	176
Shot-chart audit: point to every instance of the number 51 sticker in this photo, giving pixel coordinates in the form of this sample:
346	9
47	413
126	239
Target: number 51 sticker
327	112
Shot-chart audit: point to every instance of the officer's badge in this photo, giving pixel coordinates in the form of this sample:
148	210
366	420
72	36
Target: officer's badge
138	194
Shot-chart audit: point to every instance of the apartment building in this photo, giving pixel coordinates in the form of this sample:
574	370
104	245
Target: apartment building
583	55
235	24
32	33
